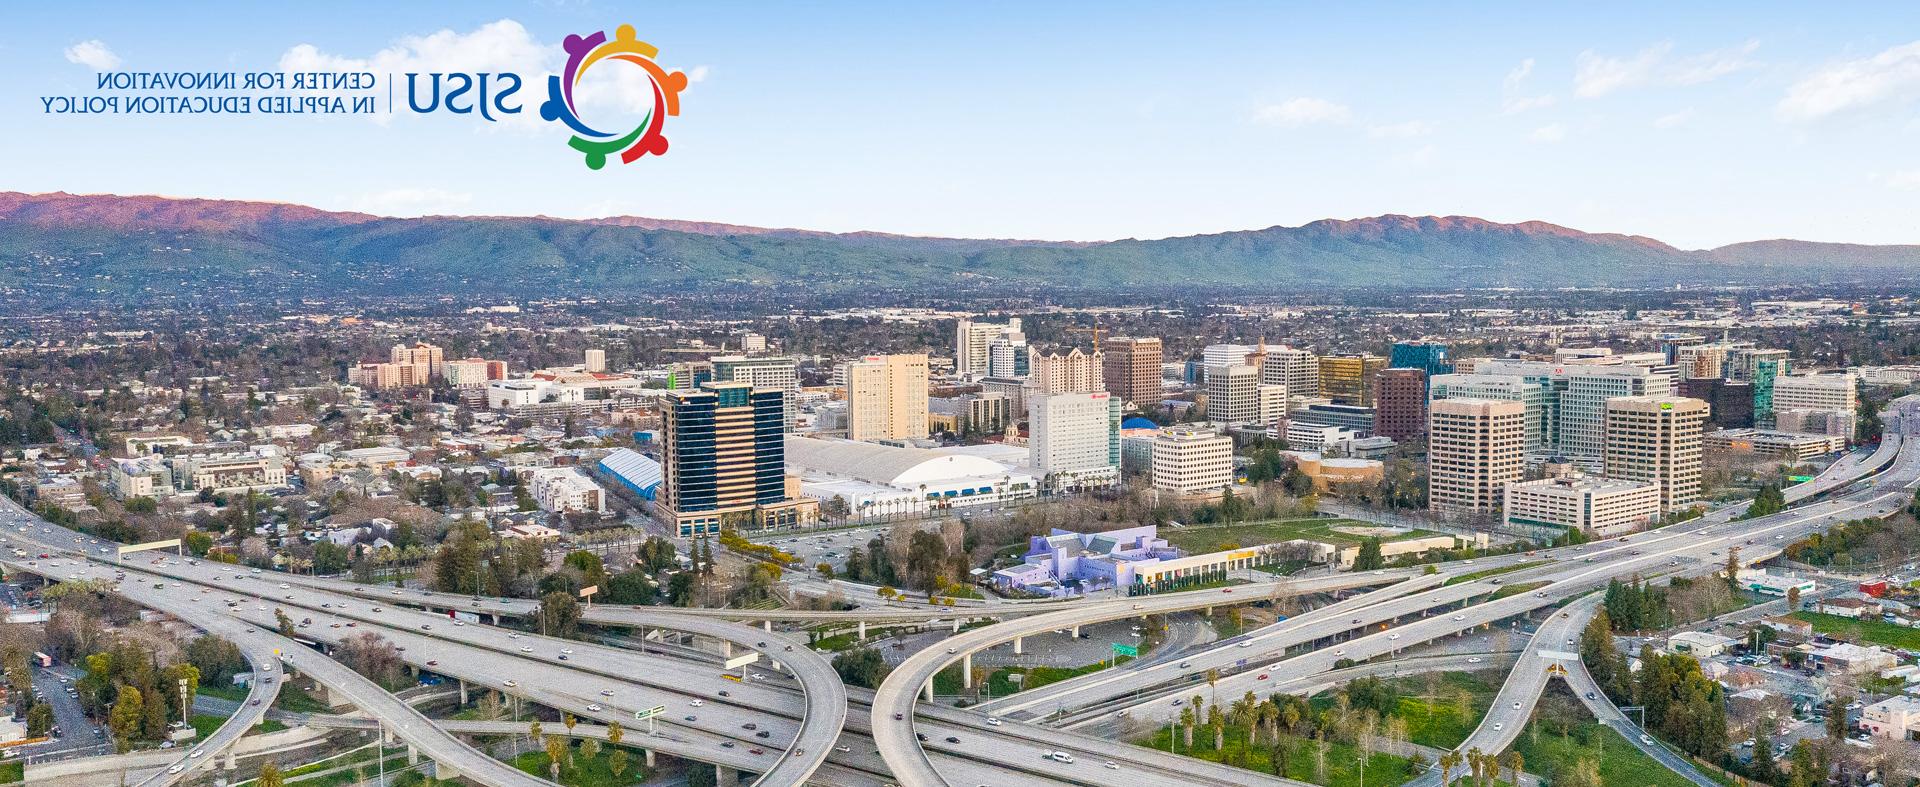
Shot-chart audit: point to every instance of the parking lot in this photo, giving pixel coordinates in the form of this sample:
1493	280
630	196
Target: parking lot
830	548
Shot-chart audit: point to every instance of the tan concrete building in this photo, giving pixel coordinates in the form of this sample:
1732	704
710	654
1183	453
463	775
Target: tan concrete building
1598	506
1475	447
1657	440
1189	460
1235	395
1070	372
887	397
1131	369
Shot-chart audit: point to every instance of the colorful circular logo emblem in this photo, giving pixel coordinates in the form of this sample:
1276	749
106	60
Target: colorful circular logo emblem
596	145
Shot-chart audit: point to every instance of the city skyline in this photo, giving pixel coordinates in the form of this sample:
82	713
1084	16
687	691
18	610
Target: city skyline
1698	127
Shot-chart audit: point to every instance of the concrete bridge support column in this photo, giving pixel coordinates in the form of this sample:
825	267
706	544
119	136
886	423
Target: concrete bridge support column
863	629
231	762
726	648
386	735
649	755
956	625
1076	632
1016	645
768	625
444	772
413	755
728	777
929	690
463	692
966	671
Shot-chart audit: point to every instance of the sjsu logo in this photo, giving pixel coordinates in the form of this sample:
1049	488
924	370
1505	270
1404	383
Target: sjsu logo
490	92
582	54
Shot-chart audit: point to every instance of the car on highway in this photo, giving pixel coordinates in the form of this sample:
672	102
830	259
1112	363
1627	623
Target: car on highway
593	708
726	744
697	703
1060	756
1497	726
993	721
510	684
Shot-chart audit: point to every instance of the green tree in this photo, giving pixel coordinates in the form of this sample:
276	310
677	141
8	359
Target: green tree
269	776
559	615
126	717
592	571
863	667
281	620
1369	557
39	719
617	762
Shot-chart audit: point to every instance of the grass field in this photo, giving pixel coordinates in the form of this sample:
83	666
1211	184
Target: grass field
1444	714
585	772
205	725
1213	538
1873	631
291	698
1548	755
1517	589
13	772
1342	760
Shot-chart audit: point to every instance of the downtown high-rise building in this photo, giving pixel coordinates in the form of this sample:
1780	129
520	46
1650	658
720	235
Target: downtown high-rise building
1657	440
594	361
1429	357
1072	371
1348	379
1536	395
886	397
1072	439
1475	448
973	344
723	460
1130	369
1235	395
780	374
1297	369
1400	403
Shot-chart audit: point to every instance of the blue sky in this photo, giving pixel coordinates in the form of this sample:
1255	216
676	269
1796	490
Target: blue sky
1696	124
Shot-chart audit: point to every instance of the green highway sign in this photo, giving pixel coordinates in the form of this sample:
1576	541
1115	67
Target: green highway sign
1125	650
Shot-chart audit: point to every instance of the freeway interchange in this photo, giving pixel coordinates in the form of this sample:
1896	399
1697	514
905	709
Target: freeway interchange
792	721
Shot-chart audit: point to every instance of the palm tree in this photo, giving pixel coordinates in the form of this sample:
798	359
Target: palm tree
1448	761
1475	764
1516	764
1218	721
1186	723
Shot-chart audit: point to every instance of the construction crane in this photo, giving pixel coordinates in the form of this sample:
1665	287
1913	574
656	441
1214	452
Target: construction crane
1095	330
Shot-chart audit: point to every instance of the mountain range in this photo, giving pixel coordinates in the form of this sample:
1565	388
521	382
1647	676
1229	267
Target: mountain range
118	247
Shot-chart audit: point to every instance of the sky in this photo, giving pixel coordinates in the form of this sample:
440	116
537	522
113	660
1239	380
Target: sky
1698	124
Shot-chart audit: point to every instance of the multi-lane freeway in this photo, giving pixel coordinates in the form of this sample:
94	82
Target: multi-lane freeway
790	721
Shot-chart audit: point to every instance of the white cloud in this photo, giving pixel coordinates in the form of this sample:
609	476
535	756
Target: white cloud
1511	101
1407	130
1892	75
1674	119
698	73
412	202
1553	132
1517	105
93	54
1518	75
1302	111
1596	75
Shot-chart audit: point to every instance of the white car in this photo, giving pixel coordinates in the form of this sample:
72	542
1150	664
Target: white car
1394	635
1246	644
697	703
1497	726
1459	617
1473	659
284	586
509	684
1273	666
526	648
593	708
993	721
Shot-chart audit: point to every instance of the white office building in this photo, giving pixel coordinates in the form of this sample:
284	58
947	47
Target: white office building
1188	460
567	490
1596	506
1071	439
